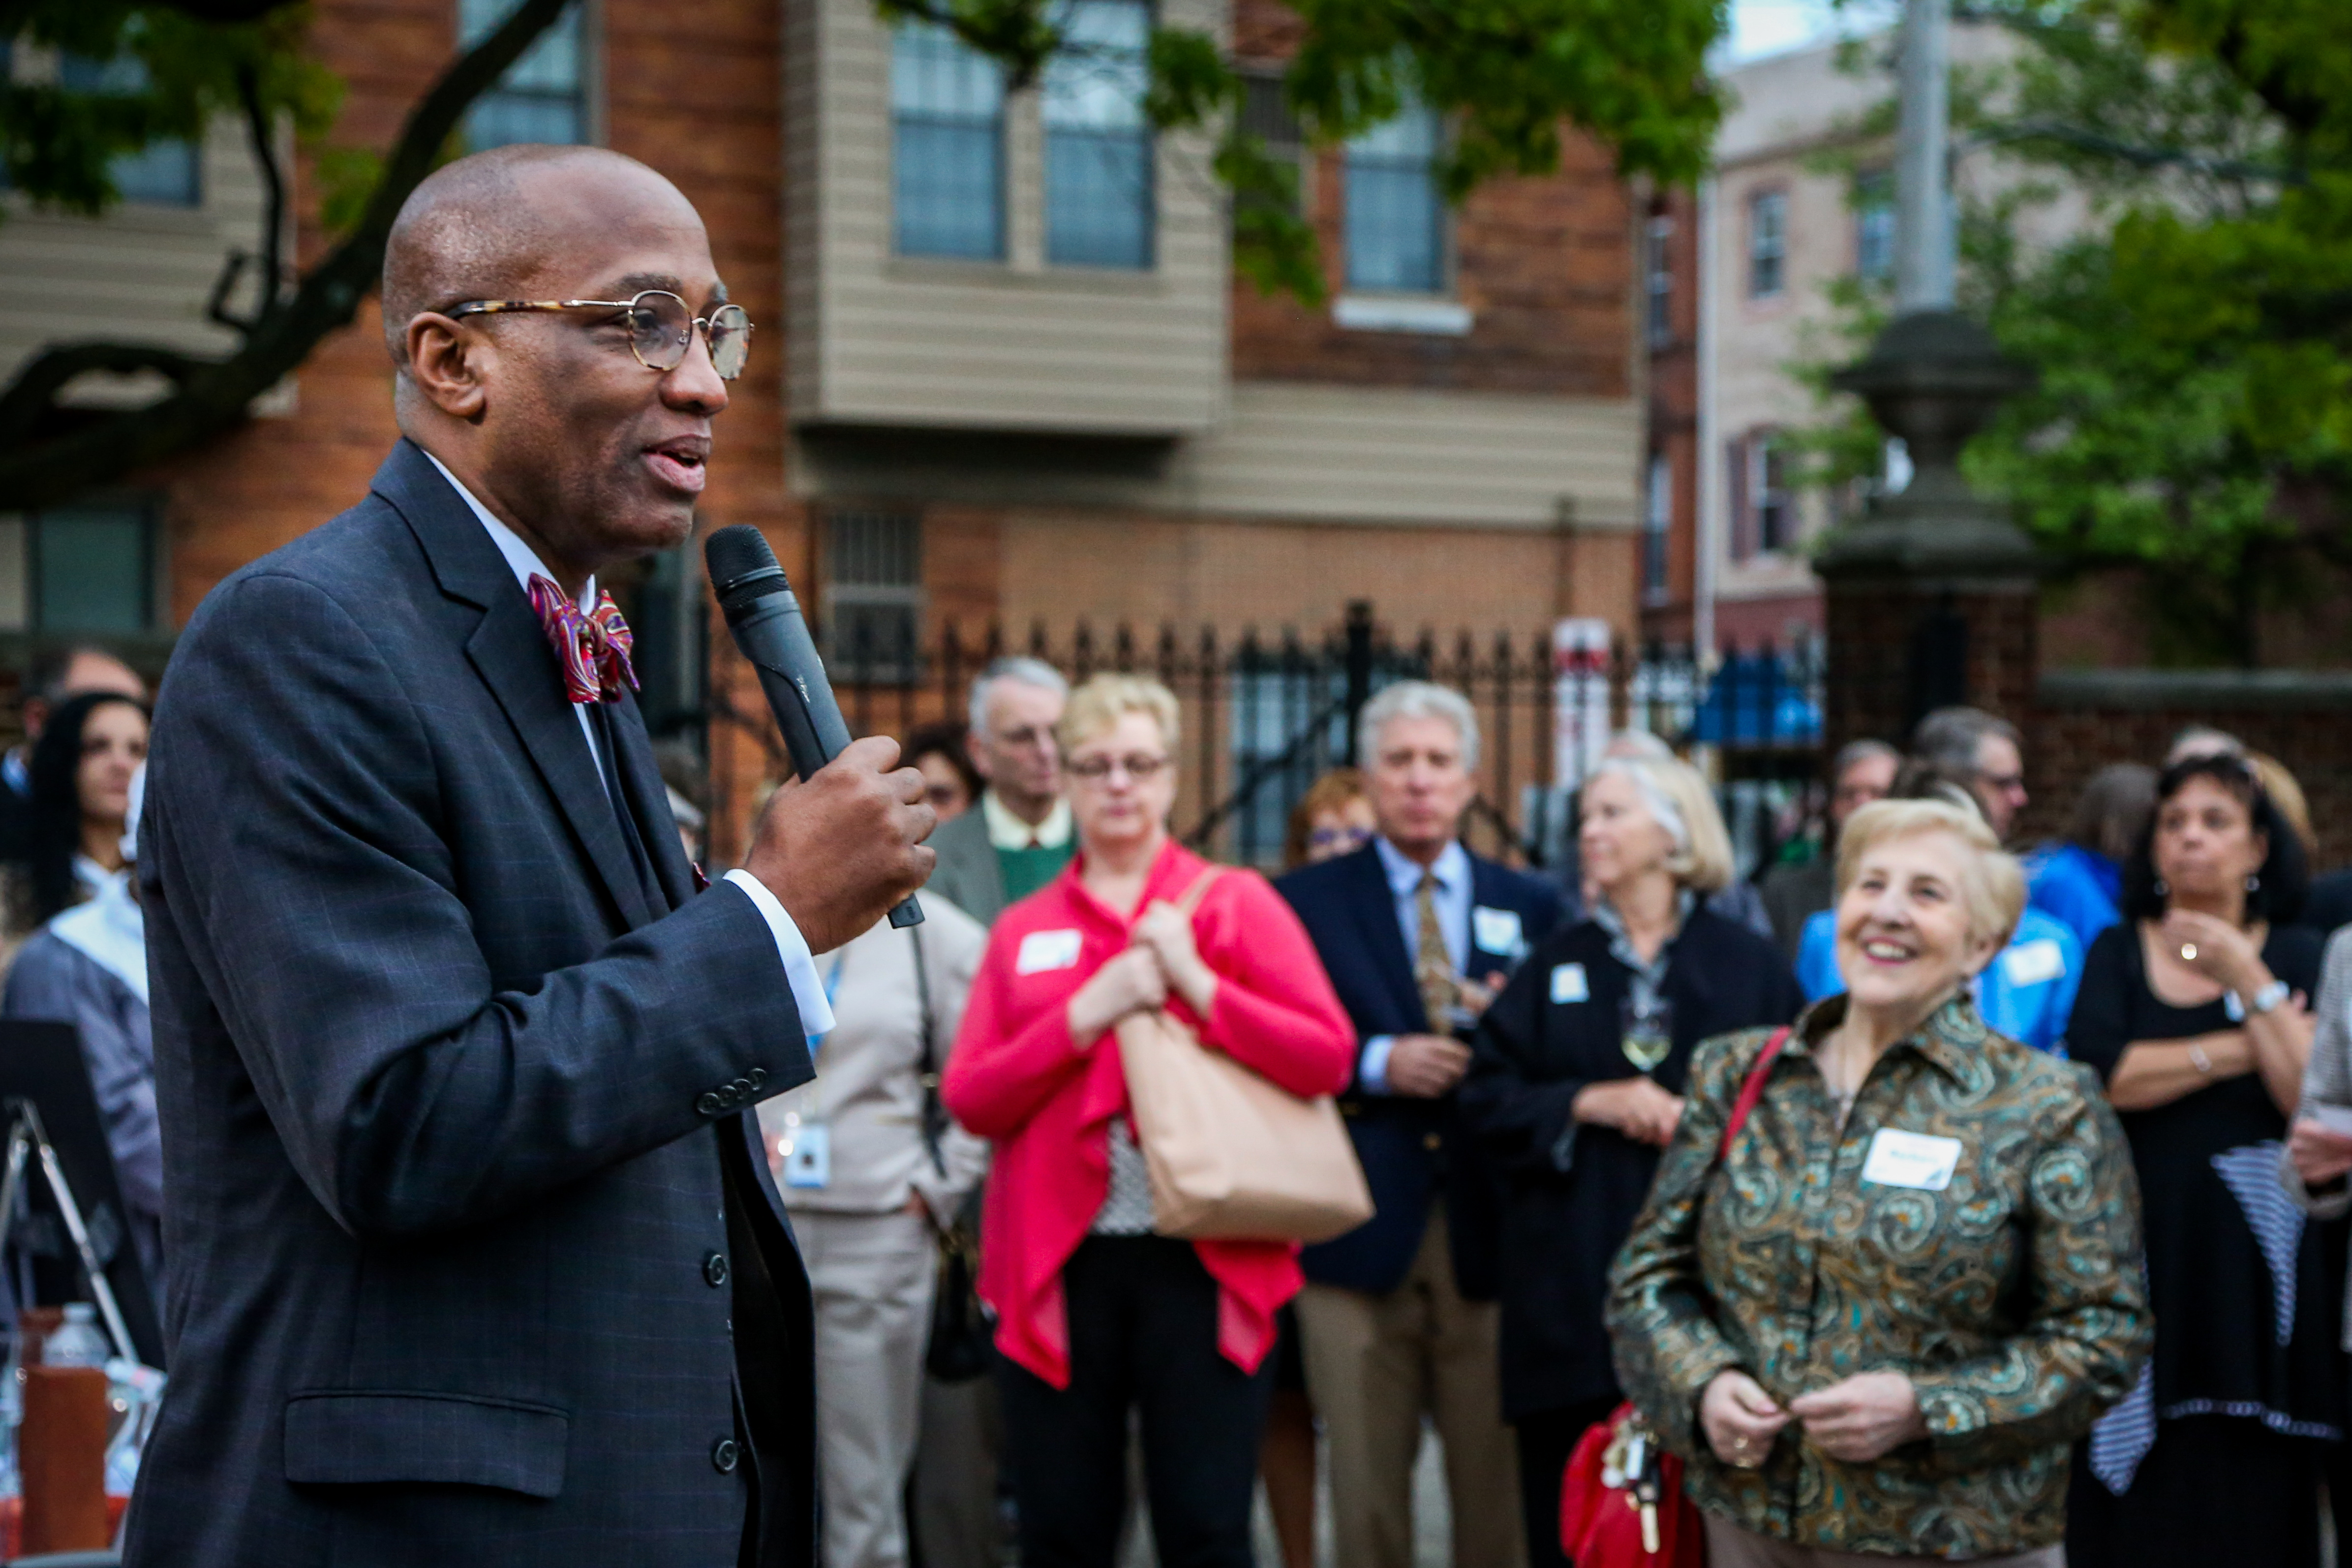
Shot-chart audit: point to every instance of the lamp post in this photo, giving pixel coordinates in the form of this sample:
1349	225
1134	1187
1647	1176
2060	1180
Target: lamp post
1923	209
1929	594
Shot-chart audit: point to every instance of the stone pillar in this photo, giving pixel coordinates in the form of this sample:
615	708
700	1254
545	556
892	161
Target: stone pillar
1930	595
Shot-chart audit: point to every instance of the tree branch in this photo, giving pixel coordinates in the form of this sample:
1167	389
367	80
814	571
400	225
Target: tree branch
2138	156
261	135
211	398
34	391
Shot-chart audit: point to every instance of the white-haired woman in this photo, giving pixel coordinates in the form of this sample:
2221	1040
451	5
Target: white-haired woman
1872	1317
1576	1082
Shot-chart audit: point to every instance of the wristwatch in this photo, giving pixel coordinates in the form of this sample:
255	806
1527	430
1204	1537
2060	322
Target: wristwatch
2267	999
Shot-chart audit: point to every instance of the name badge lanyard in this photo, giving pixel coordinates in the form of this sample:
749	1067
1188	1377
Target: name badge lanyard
807	1144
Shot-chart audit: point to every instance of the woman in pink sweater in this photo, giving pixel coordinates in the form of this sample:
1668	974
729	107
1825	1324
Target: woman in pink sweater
1097	1315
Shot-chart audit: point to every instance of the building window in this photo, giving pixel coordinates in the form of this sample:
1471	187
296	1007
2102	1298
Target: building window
947	112
542	97
1768	244
86	568
873	593
1266	116
1100	192
1657	527
165	173
1763	512
1659	276
1874	226
1396	218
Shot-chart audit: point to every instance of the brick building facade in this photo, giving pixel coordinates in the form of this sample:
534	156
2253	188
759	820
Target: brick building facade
1009	435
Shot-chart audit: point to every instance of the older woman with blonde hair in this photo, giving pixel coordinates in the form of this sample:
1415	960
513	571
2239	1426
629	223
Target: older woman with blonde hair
1871	1313
1576	1082
1100	1318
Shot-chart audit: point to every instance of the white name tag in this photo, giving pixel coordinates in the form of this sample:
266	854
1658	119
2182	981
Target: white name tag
1043	950
1568	983
2032	962
809	1162
1899	1159
1495	931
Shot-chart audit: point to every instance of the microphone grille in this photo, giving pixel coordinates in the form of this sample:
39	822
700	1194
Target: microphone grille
736	554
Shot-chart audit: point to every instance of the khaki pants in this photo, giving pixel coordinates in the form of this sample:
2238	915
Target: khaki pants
872	1276
1730	1546
1374	1363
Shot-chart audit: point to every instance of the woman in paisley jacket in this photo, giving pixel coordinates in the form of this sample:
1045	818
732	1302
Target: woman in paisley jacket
1876	1324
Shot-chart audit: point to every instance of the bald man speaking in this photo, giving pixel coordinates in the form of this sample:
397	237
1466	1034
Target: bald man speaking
475	1259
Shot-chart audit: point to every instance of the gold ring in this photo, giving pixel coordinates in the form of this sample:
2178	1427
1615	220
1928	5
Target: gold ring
2187	952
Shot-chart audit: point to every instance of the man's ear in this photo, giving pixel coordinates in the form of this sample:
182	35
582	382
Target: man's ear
978	756
446	364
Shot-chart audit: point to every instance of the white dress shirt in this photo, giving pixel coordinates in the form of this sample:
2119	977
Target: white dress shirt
1006	831
799	967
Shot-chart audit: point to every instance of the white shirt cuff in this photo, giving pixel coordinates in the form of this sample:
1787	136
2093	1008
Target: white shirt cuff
800	964
1373	1067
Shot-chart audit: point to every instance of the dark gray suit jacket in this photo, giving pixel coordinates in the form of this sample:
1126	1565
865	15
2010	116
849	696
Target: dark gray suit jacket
968	873
461	1203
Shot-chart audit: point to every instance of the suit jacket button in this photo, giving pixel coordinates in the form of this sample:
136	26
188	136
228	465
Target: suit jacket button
1432	1142
742	1087
714	1269
708	1104
724	1454
758	1076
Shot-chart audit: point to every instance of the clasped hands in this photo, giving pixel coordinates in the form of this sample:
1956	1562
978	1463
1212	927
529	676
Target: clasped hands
1863	1418
1160	958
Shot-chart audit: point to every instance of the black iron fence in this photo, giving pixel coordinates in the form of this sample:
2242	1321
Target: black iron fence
1264	715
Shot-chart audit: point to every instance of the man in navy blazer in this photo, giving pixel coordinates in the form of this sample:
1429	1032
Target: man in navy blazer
1398	1315
475	1255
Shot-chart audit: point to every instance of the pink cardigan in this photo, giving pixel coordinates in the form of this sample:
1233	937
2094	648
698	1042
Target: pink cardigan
1015	1077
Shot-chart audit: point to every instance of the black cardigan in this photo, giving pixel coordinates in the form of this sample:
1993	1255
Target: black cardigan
1574	1189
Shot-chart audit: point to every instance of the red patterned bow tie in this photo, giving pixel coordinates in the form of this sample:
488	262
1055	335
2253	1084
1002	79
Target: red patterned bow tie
593	646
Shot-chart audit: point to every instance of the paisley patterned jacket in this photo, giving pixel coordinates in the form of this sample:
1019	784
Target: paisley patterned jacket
2013	1296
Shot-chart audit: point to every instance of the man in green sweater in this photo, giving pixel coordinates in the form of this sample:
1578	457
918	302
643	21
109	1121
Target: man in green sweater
1017	838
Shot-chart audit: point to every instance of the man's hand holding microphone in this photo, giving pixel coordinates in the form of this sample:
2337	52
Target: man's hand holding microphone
844	846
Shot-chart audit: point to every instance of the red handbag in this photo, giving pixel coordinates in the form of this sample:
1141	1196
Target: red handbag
1621	1499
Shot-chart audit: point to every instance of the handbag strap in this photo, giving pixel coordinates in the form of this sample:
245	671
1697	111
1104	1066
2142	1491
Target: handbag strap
934	1111
1199	890
1751	1090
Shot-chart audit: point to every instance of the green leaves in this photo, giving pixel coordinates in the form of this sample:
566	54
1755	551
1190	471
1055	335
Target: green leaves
1507	74
108	77
2192	418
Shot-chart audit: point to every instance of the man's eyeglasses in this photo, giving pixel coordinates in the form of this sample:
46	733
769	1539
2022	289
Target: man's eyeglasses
1141	767
661	327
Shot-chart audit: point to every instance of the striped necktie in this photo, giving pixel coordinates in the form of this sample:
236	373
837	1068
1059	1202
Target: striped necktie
1432	967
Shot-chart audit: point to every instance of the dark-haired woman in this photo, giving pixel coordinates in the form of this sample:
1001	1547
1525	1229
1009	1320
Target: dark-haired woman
2194	1011
81	770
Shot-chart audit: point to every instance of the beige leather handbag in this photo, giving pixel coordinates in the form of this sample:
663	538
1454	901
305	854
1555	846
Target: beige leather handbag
1231	1155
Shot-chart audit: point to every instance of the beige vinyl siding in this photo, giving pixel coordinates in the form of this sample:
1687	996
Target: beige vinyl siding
1018	345
1308	452
139	274
1379	455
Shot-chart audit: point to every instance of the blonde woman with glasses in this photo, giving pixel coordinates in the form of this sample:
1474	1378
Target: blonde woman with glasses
1097	1315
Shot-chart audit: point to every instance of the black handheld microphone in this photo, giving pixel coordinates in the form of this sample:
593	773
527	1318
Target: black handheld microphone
769	630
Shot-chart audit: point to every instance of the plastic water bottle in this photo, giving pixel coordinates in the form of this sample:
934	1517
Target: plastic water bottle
79	1340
